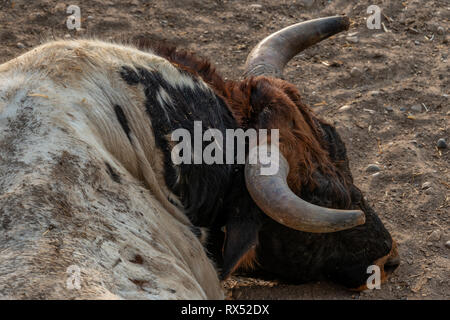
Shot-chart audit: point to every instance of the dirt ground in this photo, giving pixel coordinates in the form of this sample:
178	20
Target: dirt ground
393	84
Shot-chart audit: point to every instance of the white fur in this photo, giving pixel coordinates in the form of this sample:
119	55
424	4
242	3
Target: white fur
57	130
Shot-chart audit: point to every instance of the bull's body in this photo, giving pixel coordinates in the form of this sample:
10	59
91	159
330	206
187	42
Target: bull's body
81	192
92	204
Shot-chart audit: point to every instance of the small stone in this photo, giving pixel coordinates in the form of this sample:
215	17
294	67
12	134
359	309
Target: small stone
376	174
374	93
440	30
355	72
416	108
435	236
402	109
426	185
60	7
353	39
344	108
447	244
441	143
20	45
67	36
90	17
256	6
389	108
373	168
417	43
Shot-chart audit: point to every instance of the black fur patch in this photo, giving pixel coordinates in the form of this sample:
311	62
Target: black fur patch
202	188
122	120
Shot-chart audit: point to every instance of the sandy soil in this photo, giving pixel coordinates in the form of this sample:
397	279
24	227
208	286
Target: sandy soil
381	75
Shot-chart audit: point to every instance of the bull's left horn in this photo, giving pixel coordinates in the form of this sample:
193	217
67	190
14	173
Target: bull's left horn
274	197
270	55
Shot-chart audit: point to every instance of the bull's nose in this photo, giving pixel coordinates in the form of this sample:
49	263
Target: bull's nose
393	261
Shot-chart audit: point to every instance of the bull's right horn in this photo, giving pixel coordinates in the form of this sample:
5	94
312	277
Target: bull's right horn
274	197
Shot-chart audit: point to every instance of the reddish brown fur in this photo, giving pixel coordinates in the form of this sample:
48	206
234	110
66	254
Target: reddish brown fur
263	102
248	261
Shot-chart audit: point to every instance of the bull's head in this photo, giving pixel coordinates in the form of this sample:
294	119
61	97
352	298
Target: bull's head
310	220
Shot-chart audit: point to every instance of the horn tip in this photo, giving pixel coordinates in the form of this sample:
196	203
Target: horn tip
361	218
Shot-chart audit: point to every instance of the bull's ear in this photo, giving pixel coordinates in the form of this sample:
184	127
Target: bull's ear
241	239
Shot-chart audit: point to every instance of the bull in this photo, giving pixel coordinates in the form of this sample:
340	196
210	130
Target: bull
88	182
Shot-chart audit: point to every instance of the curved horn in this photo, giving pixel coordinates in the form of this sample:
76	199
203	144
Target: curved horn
273	196
270	55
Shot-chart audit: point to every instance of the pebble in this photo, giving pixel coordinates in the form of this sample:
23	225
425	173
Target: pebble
374	93
440	30
376	174
389	108
441	143
402	109
435	236
447	244
60	7
416	108
353	39
373	168
426	185
344	108
20	45
256	6
355	72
